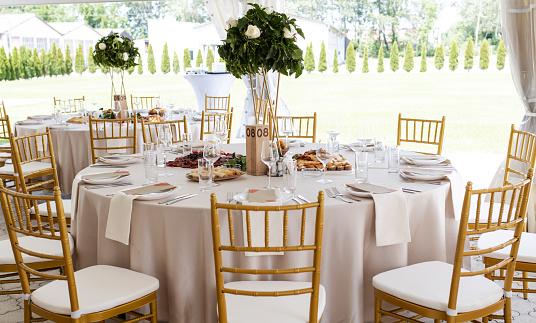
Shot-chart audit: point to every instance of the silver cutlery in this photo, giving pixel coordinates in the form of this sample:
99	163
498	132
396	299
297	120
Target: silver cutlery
230	197
332	195
181	199
106	186
336	192
107	166
296	200
303	198
172	199
410	190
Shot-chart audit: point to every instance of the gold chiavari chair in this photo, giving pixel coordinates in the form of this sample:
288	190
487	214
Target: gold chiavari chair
73	104
274	301
304	127
7	173
177	128
217	103
210	121
442	291
145	102
421	131
3	110
89	295
112	136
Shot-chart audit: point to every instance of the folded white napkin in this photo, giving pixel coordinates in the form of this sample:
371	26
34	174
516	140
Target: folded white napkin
392	221
74	195
119	214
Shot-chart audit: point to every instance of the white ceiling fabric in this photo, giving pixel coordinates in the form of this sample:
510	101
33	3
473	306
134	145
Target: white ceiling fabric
38	2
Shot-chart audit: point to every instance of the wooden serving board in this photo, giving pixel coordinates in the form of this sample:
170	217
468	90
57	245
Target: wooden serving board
196	179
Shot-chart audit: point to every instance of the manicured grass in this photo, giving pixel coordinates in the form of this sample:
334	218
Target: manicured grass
479	106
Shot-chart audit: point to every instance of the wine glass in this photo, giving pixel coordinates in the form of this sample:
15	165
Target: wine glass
136	101
324	153
287	128
357	147
220	128
64	106
270	156
82	109
164	146
117	108
171	102
212	152
333	128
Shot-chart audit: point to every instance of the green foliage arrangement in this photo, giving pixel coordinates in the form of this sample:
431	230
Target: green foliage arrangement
176	64
484	55
79	64
501	55
210	59
165	64
322	60
151	64
38	67
16	64
116	51
131	69
309	59
91	66
199	59
439	57
350	58
187	59
335	62
453	56
469	55
424	67
365	68
3	64
263	38
140	66
409	62
380	69
394	58
68	61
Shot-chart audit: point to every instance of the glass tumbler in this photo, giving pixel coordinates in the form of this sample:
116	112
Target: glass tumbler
186	143
361	167
393	159
205	175
379	149
290	175
149	162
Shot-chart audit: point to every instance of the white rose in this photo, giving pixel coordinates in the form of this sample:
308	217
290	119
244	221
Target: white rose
253	32
102	46
125	56
232	22
293	30
287	33
269	10
119	39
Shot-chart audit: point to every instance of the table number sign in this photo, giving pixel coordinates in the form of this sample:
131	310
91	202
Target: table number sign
255	136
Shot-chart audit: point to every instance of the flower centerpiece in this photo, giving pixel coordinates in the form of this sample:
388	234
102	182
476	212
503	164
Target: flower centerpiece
116	52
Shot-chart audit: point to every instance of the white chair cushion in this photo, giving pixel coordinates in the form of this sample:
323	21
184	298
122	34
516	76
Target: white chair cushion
99	288
288	309
526	252
428	284
26	168
41	245
66	208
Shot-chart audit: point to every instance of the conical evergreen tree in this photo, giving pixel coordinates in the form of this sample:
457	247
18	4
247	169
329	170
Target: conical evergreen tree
30	63
409	62
151	65
381	69
140	65
16	64
61	62
176	64
469	55
322	60
3	64
199	59
44	62
10	71
350	58
335	62
501	55
68	61
210	59
424	67
309	61
91	66
38	68
187	59
453	56
79	63
365	68
25	69
484	55
394	58
165	65
131	69
439	57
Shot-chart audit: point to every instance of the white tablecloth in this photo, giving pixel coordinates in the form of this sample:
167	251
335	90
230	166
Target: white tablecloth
210	84
174	243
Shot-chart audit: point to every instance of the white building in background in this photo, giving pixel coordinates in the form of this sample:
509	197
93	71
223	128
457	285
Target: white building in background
27	30
75	34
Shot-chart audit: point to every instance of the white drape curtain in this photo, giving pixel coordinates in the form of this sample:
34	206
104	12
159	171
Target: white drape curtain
518	23
220	11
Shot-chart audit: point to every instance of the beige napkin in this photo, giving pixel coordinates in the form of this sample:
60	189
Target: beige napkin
110	175
264	198
74	196
392	221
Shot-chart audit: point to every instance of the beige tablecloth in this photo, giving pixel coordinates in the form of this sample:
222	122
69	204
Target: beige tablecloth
174	243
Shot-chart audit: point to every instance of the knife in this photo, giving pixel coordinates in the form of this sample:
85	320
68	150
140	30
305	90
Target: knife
181	199
303	198
108	166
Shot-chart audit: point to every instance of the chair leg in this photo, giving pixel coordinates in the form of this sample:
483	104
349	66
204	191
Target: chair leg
525	285
508	310
437	321
27	313
485	319
377	307
154	318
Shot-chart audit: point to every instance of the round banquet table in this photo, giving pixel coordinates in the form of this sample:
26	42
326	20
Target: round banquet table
72	147
174	243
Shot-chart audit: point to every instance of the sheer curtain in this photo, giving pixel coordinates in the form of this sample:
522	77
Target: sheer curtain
518	23
220	11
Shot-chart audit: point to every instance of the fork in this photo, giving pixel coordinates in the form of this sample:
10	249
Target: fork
337	193
230	197
332	195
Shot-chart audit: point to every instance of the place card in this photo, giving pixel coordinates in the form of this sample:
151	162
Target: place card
263	196
255	136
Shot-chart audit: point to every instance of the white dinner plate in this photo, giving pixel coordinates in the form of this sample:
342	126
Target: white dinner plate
368	194
29	122
154	196
370	146
423	160
58	126
293	142
424	175
105	180
41	117
119	159
243	197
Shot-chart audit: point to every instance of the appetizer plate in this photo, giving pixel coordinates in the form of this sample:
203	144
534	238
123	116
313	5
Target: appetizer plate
243	197
196	178
154	196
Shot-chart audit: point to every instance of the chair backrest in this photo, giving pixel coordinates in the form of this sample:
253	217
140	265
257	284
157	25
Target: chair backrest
18	211
145	102
304	127
3	113
512	208
294	243
177	128
421	131
5	132
35	149
113	136
521	155
262	111
210	121
217	103
70	105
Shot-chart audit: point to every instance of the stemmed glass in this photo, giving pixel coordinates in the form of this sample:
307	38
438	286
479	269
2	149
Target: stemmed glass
212	152
171	102
82	110
164	146
64	106
117	108
324	153
287	128
220	128
357	147
270	156
136	101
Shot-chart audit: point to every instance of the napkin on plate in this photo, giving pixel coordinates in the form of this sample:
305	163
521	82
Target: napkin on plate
110	175
264	198
392	221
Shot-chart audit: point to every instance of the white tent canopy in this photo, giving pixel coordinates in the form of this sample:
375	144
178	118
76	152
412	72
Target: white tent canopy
38	2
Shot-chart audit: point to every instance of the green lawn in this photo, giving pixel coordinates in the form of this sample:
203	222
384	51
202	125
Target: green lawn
479	106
